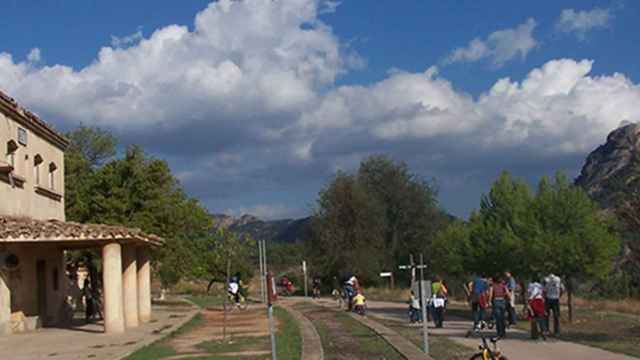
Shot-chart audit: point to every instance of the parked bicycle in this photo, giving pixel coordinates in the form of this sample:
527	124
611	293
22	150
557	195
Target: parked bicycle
487	352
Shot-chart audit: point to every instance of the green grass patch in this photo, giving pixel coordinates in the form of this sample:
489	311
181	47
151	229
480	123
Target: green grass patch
288	339
157	350
235	345
440	347
205	301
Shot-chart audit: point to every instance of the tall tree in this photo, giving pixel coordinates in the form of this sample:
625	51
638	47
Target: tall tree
578	240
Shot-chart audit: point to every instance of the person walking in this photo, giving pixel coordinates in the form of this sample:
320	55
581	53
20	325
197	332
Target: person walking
536	309
553	289
512	316
439	295
477	290
498	295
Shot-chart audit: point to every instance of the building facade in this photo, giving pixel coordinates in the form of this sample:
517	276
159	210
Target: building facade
34	286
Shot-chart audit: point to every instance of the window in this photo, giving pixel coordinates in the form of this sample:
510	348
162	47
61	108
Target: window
52	176
12	148
22	136
37	161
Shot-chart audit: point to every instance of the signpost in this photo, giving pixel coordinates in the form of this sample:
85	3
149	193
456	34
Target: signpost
423	288
390	276
271	297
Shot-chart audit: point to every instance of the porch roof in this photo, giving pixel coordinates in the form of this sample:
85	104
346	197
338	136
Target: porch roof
27	230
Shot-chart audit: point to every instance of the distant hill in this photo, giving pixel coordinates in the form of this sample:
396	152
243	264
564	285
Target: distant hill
284	231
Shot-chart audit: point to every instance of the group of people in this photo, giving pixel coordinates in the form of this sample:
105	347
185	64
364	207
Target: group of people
351	294
436	305
500	292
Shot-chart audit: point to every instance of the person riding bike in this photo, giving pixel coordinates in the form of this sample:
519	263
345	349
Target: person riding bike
233	289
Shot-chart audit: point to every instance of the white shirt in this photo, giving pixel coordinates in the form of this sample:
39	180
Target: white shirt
535	290
233	288
415	303
553	287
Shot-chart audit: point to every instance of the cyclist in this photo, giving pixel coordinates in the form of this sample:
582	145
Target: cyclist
360	302
233	289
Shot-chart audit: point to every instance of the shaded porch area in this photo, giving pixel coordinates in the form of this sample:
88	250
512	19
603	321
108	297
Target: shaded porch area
36	292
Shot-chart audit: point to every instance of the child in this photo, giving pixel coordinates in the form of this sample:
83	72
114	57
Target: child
415	313
359	301
337	296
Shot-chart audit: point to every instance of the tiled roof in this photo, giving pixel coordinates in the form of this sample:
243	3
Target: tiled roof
36	124
23	229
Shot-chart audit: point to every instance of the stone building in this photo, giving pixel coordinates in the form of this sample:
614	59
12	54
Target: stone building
34	236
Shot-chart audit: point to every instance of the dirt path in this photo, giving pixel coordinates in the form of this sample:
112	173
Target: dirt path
344	338
241	326
517	345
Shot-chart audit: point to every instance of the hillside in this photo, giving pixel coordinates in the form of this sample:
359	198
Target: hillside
610	165
284	231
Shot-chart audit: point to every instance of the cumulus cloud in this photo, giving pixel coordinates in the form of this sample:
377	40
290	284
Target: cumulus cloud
131	39
582	21
499	47
246	109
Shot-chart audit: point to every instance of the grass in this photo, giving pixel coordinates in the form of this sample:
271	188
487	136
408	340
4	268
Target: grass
205	301
236	345
440	347
289	339
346	336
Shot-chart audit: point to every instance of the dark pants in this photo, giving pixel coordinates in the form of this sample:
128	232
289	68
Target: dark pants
478	313
438	316
553	305
512	316
499	308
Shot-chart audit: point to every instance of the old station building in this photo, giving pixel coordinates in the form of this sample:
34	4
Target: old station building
34	236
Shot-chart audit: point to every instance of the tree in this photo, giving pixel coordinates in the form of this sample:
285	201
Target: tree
502	230
348	230
88	149
411	213
577	239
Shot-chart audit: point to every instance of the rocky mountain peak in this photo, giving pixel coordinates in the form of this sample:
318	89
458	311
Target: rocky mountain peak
610	162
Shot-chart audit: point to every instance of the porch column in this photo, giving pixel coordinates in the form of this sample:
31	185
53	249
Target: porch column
5	305
112	283
130	284
144	284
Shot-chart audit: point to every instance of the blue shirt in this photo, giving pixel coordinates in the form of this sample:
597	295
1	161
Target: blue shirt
479	285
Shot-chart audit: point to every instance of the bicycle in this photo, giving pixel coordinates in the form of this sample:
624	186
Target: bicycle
486	352
232	304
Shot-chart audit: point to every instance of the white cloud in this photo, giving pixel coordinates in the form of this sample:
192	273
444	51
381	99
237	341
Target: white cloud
34	56
500	46
124	41
246	105
583	21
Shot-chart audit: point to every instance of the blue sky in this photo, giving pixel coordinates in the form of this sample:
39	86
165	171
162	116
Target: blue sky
256	103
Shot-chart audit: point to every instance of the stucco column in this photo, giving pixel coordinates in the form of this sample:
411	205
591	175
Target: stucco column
5	305
112	283
130	285
144	285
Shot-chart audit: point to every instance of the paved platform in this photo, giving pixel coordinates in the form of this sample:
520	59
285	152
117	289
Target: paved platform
89	341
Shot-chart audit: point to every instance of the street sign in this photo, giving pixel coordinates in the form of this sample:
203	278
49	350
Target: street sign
385	274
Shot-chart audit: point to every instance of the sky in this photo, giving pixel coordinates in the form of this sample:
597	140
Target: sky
255	104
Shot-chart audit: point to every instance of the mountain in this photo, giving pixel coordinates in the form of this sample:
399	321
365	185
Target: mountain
286	230
611	164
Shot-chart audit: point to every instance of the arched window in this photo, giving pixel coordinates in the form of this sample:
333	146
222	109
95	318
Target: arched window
37	161
52	176
12	148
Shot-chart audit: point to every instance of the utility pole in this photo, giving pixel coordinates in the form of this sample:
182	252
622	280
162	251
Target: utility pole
270	287
304	271
225	307
261	273
264	270
423	295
